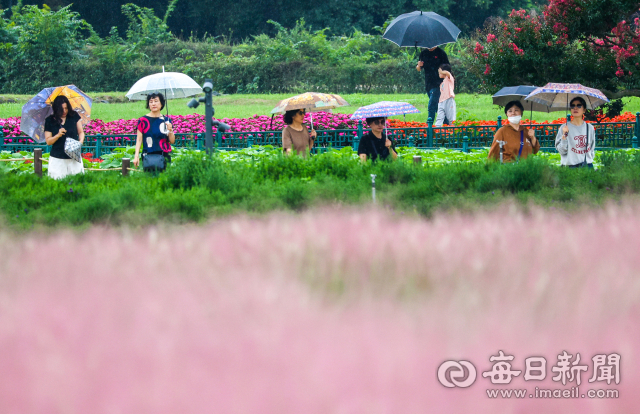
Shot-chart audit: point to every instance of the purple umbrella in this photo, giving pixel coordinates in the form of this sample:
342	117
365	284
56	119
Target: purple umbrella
384	109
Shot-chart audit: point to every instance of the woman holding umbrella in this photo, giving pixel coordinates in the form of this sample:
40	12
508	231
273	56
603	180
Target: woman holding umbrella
296	136
517	141
62	124
155	135
374	144
576	139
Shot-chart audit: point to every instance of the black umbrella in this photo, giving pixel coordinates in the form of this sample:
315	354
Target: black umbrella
518	93
421	29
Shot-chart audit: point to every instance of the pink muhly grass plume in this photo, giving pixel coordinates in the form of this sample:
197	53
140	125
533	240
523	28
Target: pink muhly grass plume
327	311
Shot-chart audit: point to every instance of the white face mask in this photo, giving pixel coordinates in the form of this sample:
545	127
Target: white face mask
515	119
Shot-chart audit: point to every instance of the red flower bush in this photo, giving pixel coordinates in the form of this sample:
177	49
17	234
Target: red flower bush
600	37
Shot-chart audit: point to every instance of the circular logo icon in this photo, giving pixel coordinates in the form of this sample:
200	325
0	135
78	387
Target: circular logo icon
457	374
143	125
165	145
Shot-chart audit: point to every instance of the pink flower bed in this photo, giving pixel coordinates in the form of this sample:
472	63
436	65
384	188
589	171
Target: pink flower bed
298	314
186	124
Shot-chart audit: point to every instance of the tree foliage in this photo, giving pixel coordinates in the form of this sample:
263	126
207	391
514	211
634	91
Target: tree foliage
241	19
578	41
39	45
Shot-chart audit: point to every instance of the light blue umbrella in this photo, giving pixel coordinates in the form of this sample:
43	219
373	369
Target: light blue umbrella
384	109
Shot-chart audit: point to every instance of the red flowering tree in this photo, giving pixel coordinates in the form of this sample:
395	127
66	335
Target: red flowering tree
592	42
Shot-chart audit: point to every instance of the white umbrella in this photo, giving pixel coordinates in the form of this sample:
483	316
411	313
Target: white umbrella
172	85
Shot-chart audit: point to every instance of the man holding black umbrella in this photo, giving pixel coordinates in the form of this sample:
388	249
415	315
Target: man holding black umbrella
428	30
429	61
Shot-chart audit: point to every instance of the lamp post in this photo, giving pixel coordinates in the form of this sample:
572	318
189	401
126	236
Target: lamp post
209	112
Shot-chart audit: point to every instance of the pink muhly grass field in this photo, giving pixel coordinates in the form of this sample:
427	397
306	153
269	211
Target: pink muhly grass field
330	311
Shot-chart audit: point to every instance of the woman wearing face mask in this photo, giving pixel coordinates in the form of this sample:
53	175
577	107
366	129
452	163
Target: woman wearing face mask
518	141
374	144
576	140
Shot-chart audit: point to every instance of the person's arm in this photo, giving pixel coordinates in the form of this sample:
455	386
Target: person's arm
446	73
494	151
80	132
287	142
136	157
361	151
535	144
312	137
172	136
420	63
562	144
53	138
392	152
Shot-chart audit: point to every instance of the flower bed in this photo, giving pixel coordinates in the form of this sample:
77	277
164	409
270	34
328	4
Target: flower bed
397	123
194	124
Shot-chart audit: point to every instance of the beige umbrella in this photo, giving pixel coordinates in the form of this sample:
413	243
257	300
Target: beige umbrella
311	101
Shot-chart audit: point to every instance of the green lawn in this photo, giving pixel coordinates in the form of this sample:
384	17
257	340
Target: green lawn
470	106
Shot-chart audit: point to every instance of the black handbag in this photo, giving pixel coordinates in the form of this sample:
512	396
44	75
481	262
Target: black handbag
154	162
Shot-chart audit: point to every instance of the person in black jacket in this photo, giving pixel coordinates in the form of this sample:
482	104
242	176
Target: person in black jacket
374	144
429	61
62	124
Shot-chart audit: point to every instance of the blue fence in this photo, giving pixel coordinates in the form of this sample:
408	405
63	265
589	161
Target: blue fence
465	138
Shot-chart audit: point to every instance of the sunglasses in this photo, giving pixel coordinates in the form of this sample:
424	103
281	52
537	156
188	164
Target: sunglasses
300	113
576	106
378	122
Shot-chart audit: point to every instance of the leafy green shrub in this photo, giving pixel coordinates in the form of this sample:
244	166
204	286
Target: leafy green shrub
39	48
294	193
526	175
260	180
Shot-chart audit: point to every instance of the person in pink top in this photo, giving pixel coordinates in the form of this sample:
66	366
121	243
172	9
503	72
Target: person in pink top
447	103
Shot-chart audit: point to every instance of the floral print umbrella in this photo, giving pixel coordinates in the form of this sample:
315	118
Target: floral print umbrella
385	109
558	95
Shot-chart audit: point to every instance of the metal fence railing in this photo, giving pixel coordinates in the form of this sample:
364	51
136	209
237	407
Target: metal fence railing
608	135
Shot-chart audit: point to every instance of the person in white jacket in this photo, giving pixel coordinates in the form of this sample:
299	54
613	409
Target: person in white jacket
576	140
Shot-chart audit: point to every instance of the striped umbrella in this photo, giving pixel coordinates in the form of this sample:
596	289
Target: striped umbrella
558	95
385	109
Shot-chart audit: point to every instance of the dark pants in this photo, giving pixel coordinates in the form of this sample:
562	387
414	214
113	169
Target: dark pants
434	97
582	164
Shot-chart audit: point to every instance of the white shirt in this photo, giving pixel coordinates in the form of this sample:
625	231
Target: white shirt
580	141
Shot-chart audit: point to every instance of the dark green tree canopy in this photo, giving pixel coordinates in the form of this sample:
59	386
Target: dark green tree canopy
243	18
